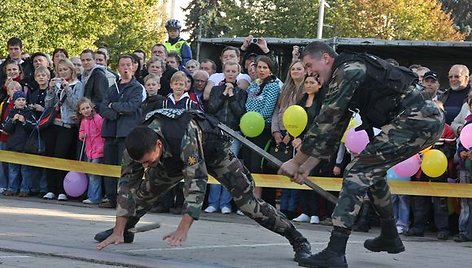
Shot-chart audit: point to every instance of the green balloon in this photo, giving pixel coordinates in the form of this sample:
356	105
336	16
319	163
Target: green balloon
252	124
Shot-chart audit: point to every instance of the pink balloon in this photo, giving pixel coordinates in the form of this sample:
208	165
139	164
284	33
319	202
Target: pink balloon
356	141
409	167
75	183
466	136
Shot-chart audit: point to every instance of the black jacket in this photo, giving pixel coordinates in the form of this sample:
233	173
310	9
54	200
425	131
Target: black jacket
18	132
152	103
96	86
228	110
125	111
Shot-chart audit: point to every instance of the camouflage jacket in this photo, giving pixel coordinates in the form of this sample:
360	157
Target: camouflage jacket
323	137
138	183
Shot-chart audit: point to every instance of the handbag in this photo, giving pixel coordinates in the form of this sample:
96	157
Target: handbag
35	144
49	114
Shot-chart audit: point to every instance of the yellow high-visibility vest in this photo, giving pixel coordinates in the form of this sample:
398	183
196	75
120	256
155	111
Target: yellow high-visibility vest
177	47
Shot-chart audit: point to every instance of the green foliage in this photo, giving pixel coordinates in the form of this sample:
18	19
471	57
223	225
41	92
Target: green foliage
461	12
392	19
204	18
385	19
123	25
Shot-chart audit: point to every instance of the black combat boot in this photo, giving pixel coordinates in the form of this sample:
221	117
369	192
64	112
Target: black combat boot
388	240
333	256
128	236
300	244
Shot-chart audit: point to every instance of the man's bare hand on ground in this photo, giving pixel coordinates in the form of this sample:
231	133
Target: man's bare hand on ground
112	239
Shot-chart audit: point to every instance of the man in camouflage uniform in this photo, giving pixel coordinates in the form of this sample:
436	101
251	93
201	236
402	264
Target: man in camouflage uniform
414	123
179	144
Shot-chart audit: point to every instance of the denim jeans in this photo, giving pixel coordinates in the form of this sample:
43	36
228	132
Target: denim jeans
440	212
94	190
219	197
289	199
465	218
401	210
113	152
18	178
3	169
38	181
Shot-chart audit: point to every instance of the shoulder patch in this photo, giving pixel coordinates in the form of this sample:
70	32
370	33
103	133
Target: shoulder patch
192	160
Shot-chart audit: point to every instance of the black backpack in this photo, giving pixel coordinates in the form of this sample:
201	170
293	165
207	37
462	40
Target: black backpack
377	99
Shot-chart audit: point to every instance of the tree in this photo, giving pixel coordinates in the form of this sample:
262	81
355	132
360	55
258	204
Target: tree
137	24
385	19
204	19
269	18
78	24
461	12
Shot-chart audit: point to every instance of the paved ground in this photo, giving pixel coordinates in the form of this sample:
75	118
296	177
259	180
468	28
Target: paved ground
37	233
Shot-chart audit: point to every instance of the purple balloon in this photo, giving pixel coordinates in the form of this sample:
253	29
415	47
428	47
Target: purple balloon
356	141
466	137
75	183
409	167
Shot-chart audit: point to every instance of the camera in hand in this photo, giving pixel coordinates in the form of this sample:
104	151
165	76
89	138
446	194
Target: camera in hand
254	40
58	83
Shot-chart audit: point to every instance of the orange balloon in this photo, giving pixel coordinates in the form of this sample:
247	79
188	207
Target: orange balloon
426	149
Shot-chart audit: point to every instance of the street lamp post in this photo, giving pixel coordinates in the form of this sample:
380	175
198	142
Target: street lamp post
321	18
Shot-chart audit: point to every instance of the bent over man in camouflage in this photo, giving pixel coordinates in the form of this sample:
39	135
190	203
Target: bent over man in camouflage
386	97
177	145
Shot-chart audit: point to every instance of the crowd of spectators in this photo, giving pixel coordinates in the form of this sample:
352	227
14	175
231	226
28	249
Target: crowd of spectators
96	107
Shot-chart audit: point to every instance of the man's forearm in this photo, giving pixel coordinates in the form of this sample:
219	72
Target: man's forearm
120	225
300	158
185	222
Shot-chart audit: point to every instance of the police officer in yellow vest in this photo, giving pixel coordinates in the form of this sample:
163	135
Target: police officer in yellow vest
175	43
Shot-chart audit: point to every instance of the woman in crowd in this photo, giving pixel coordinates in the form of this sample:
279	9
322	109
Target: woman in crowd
61	137
57	55
292	92
14	73
311	101
262	98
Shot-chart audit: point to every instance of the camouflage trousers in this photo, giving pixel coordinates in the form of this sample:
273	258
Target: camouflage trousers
417	128
224	166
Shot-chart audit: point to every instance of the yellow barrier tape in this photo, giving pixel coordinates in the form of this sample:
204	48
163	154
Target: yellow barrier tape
262	180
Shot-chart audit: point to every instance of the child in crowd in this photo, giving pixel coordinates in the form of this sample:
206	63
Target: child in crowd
90	133
35	99
153	100
175	43
227	103
5	107
156	66
465	176
179	98
422	204
18	124
173	60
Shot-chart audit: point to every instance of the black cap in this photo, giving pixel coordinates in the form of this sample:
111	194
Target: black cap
432	75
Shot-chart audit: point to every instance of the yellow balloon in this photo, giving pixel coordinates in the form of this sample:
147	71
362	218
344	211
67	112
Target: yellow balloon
434	163
295	120
352	123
